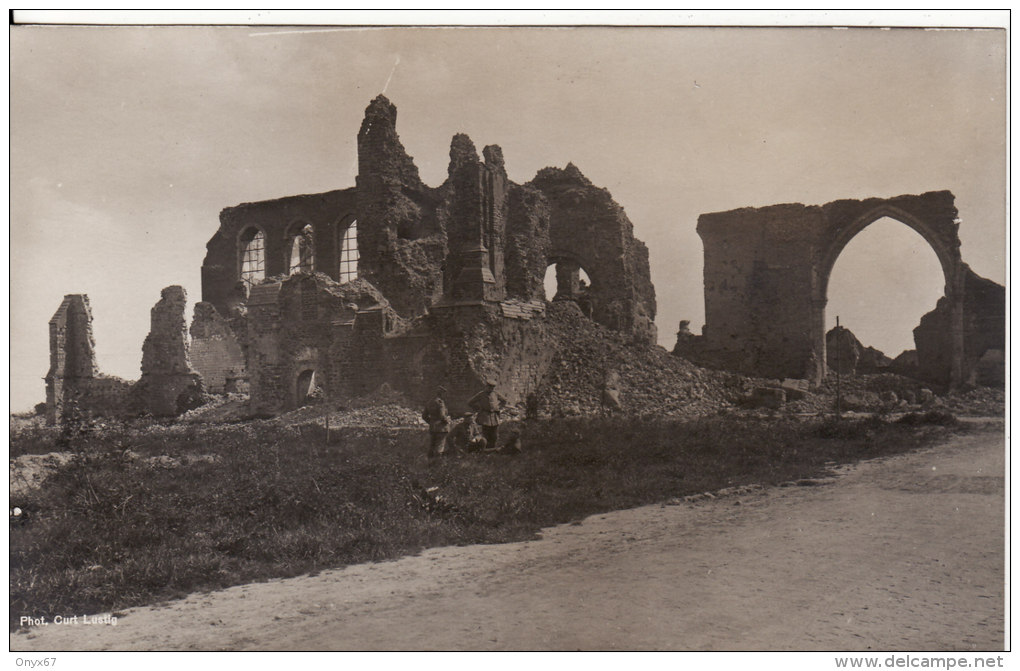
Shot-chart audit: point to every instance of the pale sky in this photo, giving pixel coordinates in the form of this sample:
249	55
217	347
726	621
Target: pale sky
127	142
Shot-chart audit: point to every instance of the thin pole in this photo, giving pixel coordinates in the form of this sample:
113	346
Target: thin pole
327	430
839	364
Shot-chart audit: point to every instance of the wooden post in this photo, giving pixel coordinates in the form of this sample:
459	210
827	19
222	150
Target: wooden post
839	364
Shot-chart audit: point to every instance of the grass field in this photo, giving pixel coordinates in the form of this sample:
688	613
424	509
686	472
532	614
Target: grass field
141	516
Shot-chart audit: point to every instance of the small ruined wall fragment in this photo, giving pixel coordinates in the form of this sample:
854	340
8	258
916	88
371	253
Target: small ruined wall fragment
72	353
169	385
984	330
215	352
74	374
848	355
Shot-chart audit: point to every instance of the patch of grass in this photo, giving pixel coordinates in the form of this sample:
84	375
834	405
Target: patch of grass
112	529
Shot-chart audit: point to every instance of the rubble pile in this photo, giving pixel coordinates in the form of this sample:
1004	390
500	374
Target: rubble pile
364	413
219	408
390	415
651	380
889	392
978	402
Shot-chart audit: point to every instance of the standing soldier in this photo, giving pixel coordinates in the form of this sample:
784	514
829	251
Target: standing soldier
488	404
439	423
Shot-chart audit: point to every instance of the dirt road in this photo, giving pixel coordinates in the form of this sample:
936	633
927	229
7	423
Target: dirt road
904	553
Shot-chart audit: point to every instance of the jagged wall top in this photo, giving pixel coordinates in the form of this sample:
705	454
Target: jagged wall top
380	151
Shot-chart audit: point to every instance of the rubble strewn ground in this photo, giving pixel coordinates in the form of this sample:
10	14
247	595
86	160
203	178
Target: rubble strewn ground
655	382
889	392
652	381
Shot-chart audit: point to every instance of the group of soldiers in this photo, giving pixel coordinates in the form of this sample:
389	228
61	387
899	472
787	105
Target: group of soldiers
477	432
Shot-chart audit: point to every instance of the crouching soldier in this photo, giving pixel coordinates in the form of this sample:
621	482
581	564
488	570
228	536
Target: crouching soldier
439	423
467	436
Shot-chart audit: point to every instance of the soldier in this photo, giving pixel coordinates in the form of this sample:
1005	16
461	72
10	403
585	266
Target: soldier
488	404
439	423
467	436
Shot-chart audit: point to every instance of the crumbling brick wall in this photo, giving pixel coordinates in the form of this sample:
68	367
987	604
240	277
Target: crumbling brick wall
506	342
758	288
589	230
400	237
215	351
767	272
307	322
329	215
527	243
453	276
74	374
984	324
168	385
72	353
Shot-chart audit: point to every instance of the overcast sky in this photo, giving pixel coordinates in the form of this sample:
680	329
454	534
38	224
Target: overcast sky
127	142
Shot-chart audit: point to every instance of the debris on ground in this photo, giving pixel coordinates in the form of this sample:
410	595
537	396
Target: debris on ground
28	471
651	380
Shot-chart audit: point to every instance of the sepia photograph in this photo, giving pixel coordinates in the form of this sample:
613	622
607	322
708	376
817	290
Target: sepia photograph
553	331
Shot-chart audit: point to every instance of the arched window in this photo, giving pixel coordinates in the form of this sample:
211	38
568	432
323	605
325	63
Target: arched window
349	254
253	256
302	252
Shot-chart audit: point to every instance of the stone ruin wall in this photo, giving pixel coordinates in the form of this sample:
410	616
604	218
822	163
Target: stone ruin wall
168	384
766	279
215	351
984	328
74	375
450	286
758	289
460	268
589	230
329	215
402	238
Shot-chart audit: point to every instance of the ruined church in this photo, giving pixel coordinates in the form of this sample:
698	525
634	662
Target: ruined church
395	284
391	281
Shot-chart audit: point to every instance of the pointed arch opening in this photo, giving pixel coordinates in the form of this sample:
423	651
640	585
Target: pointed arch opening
882	281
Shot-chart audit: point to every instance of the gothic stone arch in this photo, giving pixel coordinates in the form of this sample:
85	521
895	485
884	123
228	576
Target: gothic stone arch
767	273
